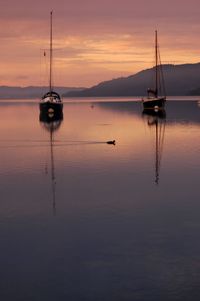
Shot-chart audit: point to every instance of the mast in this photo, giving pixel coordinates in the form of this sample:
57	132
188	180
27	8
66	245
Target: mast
51	54
156	54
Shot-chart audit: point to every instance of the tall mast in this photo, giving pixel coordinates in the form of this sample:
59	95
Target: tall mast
51	54
156	54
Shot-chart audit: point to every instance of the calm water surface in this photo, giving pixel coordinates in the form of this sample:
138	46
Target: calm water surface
84	220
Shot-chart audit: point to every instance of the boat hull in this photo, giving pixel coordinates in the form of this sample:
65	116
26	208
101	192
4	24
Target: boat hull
49	117
154	103
51	107
51	111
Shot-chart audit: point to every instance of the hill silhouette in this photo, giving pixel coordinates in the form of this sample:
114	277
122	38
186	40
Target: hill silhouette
179	80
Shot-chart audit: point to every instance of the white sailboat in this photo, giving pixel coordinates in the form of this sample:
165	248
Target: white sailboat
51	101
155	100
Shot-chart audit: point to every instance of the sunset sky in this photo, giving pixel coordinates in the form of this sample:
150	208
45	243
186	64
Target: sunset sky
94	40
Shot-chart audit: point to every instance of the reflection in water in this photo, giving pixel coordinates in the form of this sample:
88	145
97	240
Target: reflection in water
157	120
51	122
119	235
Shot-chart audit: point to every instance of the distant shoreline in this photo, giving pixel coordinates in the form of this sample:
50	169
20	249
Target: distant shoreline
100	99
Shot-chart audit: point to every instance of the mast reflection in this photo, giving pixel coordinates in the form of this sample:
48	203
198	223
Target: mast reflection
157	120
51	123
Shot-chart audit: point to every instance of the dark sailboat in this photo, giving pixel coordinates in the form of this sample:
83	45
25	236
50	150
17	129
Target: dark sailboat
51	101
156	97
157	120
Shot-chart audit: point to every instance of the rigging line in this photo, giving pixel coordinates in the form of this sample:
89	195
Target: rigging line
46	65
44	68
40	69
162	76
159	70
156	54
51	53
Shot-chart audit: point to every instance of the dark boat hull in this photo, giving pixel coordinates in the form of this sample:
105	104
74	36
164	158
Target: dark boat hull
51	107
154	104
50	117
51	111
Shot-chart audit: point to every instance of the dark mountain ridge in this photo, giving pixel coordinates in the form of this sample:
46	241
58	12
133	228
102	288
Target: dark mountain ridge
179	80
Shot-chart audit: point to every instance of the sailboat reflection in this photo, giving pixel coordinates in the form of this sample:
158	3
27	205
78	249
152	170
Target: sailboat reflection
52	123
158	121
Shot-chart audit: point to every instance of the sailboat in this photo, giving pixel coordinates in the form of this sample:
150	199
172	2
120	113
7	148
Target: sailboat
157	121
153	101
51	101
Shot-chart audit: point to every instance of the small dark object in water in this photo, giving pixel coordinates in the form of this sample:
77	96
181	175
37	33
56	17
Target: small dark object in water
111	142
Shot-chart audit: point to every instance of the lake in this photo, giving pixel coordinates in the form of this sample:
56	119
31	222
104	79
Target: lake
84	220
